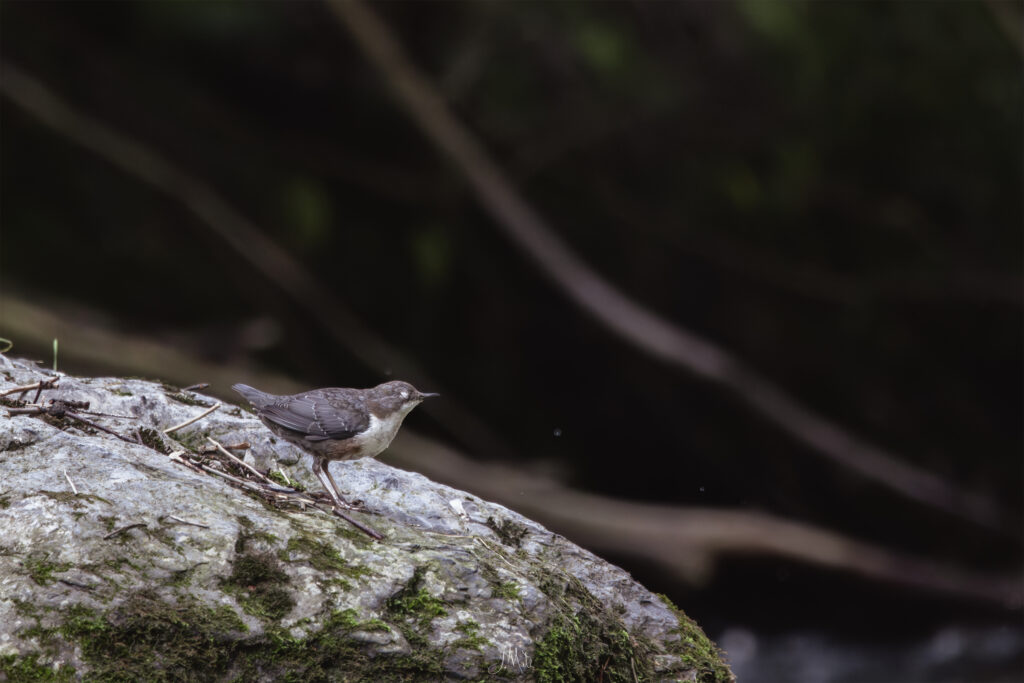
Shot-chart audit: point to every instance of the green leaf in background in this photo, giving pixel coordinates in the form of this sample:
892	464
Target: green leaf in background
308	213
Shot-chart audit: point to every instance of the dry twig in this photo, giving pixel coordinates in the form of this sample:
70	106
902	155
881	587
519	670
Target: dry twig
239	461
126	527
24	389
73	489
182	521
193	420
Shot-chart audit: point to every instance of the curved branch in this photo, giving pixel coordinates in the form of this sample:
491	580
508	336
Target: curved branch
684	541
243	237
630	320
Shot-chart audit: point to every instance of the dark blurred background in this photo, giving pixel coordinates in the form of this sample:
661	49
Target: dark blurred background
828	192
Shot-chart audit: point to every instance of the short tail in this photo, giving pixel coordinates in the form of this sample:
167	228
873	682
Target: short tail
254	396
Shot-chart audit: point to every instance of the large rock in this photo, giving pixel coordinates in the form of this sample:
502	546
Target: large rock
217	583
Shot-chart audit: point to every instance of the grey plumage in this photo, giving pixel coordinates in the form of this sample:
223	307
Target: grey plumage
315	415
336	423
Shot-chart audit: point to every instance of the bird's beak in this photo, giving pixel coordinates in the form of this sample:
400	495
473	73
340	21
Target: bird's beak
422	395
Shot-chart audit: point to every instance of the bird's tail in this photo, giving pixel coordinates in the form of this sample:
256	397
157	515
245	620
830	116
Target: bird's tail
254	396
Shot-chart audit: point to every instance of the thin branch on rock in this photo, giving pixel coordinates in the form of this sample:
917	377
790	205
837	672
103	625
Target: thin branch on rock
74	489
182	521
40	385
126	527
235	459
193	420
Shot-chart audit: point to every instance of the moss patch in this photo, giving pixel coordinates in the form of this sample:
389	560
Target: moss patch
182	397
257	582
508	590
320	555
509	532
26	668
471	638
147	639
697	650
152	439
413	609
413	602
41	570
280	479
585	637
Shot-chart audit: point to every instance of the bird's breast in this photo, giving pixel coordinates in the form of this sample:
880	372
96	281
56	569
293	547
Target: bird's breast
378	435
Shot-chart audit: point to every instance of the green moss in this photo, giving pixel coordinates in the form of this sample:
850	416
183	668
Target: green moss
121	392
697	650
331	654
413	609
586	636
183	577
280	479
147	639
5	500
182	397
508	590
41	570
153	439
320	555
249	534
117	564
413	602
510	533
27	668
471	638
192	439
256	581
25	608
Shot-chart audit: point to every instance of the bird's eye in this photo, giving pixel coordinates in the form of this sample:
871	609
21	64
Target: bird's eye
405	394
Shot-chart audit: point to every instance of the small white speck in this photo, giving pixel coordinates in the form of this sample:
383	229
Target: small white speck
702	489
457	506
558	431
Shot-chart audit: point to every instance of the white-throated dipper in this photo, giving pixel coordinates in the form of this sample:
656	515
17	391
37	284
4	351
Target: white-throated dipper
337	424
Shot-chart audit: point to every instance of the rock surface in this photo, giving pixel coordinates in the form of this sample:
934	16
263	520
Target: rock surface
215	583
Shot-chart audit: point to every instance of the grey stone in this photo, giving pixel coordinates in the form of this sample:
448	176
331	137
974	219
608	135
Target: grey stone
469	590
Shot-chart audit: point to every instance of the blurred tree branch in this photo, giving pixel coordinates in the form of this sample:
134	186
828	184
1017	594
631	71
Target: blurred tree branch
685	541
1009	18
630	320
249	242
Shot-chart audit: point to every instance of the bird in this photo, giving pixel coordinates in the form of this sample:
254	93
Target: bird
337	423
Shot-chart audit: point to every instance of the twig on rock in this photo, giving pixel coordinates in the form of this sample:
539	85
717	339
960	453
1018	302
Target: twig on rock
235	459
186	423
24	389
126	527
182	521
73	489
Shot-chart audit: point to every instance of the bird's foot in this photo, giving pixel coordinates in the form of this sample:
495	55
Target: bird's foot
341	503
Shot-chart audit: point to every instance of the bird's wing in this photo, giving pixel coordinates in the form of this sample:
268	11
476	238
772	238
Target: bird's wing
318	417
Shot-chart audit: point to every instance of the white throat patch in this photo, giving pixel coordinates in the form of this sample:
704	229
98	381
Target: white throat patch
379	434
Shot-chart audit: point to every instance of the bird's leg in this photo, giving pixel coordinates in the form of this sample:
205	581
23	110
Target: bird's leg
332	490
320	468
